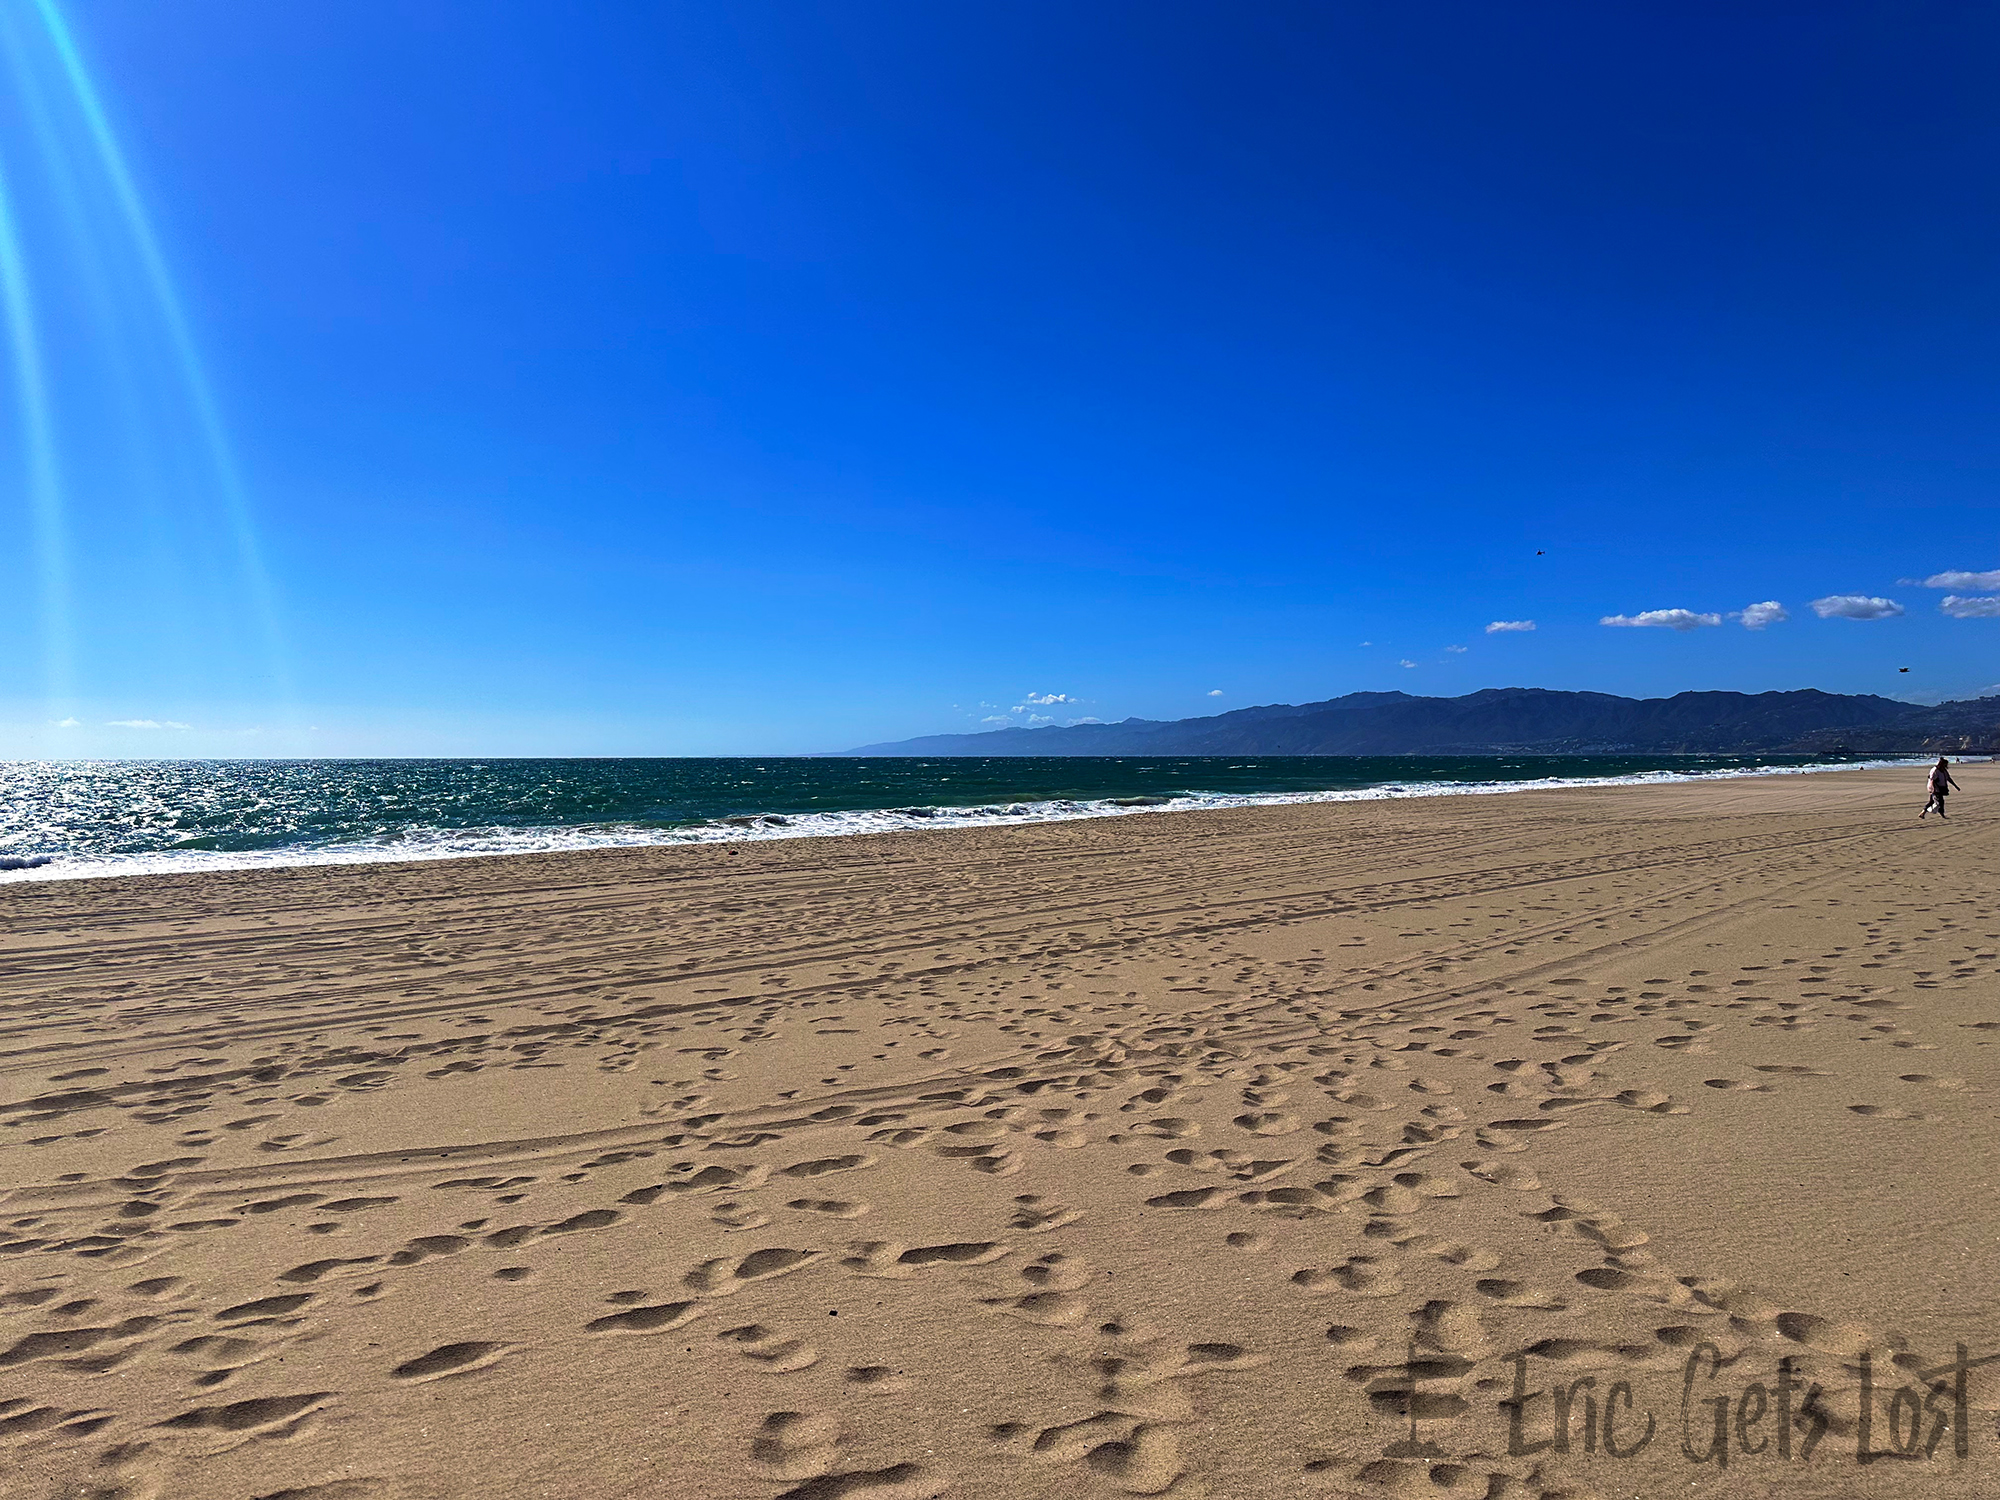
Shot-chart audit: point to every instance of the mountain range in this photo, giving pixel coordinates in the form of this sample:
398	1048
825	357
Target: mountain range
1501	721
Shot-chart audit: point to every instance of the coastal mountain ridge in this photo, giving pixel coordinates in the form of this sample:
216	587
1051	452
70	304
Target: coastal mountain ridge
1512	721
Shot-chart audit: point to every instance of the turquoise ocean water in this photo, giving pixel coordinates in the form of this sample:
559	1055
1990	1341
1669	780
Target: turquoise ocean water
63	819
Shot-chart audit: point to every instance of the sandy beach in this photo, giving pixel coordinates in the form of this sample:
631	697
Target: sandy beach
1163	1155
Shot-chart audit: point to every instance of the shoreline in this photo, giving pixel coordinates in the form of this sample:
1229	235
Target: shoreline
783	827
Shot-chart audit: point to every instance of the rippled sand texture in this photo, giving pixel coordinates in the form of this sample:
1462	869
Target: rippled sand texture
1193	1154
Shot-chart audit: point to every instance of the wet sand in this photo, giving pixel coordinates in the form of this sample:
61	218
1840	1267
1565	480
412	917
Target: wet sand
1151	1155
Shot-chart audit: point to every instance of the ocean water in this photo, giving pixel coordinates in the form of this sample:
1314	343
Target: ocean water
68	819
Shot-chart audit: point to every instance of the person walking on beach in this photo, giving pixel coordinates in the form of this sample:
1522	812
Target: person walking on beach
1941	787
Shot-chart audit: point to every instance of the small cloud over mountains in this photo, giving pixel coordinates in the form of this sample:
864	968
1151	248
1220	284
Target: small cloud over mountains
1757	616
1406	662
1215	692
1856	607
1501	627
1027	715
1662	619
1981	607
1457	650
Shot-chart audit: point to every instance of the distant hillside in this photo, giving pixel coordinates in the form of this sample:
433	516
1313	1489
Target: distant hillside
1498	721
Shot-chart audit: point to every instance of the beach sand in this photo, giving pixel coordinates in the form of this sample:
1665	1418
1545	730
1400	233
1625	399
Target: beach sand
1148	1155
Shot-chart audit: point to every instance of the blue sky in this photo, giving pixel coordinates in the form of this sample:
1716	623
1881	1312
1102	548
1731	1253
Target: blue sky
606	378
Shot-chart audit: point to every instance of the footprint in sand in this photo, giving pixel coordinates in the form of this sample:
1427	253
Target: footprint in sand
1653	1101
1519	1294
1452	1328
707	1180
876	1258
1351	1340
875	1380
1457	1255
264	1309
428	1246
451	1359
775	1352
262	1416
1690	1044
1413	1385
1610	1231
1406	1192
1358	1276
894	1260
823	1165
1239	1165
795	1445
1034	1214
1825	1335
964	1253
1057	1305
1167	1127
1148	1462
1362	1099
904	1481
1057	1272
1504	1174
654	1318
1639	1280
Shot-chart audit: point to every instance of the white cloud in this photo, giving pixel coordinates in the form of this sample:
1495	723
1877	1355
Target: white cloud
145	724
1086	719
1215	692
1978	608
1042	700
1856	607
1406	662
1662	619
1500	627
996	719
1458	650
1757	616
68	723
1976	583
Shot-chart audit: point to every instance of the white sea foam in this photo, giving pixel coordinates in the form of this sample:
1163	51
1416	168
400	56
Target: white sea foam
466	843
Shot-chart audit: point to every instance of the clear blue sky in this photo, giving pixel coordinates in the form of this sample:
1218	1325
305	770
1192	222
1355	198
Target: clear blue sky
653	378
